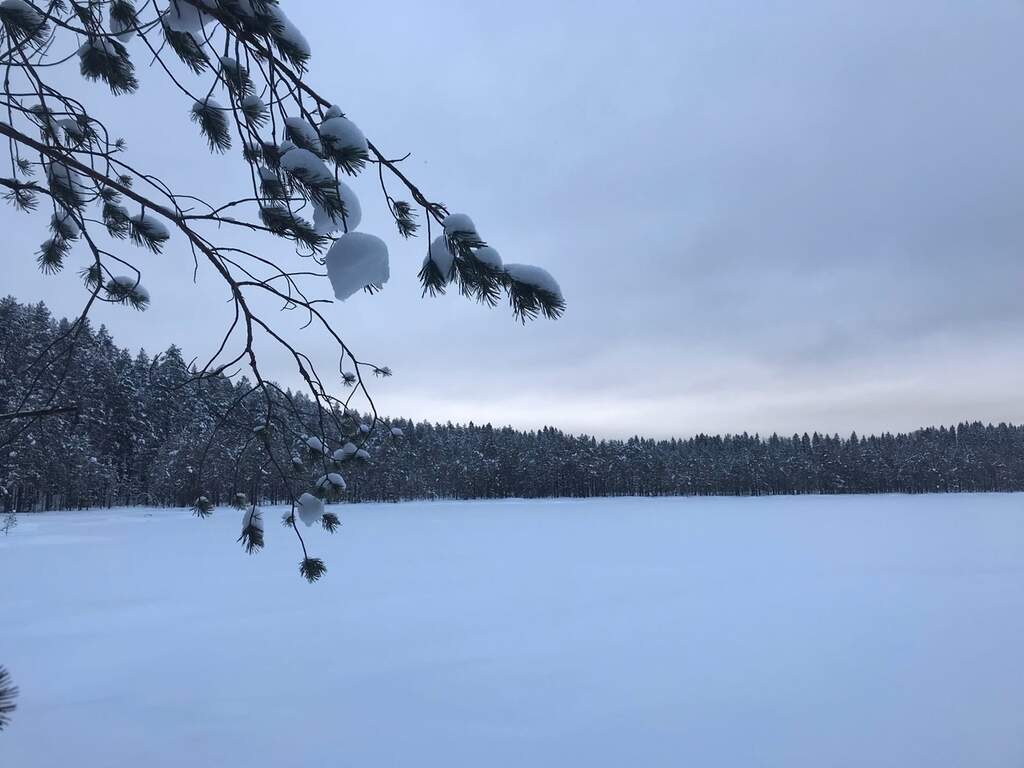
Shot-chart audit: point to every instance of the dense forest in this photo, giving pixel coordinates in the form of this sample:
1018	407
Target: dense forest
142	435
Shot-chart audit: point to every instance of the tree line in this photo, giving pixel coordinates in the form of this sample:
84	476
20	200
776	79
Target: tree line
144	433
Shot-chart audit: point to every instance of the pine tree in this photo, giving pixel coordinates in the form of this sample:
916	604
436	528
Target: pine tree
144	439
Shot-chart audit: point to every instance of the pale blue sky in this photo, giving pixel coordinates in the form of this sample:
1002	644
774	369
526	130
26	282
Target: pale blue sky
765	216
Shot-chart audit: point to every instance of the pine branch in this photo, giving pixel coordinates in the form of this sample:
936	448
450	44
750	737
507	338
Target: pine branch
254	111
51	255
8	694
187	49
123	16
148	231
236	77
405	219
528	302
213	124
24	24
271	185
432	279
23	198
479	280
350	159
106	59
312	568
92	276
64	226
66	185
251	537
116	219
202	507
127	290
281	221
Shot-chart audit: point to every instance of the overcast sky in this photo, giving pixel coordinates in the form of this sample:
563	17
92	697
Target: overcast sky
774	216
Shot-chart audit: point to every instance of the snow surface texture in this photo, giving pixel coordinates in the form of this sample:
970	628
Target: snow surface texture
303	134
66	224
331	479
310	509
151	225
340	132
458	222
185	17
355	261
488	256
63	177
100	44
288	31
253	516
847	632
254	103
303	162
199	106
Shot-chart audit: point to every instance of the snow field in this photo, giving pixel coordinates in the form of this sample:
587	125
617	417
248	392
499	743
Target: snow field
784	631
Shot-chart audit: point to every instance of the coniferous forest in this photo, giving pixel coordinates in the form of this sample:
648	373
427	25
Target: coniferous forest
140	435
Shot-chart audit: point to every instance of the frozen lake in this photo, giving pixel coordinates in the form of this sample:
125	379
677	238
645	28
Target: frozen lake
773	632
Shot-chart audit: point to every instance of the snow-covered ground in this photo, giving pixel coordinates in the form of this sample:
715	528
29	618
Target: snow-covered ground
789	632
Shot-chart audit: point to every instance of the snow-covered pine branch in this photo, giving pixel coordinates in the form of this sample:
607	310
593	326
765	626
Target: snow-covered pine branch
241	70
8	691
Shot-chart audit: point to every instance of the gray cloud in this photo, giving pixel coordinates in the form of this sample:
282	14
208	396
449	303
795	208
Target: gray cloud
775	216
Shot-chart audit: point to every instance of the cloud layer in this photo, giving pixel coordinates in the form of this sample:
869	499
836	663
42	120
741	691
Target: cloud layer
776	216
